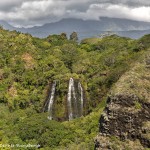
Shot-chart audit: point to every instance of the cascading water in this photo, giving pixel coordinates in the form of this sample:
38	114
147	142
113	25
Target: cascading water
75	108
81	98
71	84
75	99
51	100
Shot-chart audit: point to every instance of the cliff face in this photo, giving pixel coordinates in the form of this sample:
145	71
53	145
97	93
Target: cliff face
125	122
126	117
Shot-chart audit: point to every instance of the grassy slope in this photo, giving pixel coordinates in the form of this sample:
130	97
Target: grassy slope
137	80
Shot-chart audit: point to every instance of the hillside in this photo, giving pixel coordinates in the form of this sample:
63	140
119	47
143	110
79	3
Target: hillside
64	81
125	122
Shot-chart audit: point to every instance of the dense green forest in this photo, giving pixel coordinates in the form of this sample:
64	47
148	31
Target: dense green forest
29	65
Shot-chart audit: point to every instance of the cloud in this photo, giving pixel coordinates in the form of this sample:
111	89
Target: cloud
38	12
118	11
8	5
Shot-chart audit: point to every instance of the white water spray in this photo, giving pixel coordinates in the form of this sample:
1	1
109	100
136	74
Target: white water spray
71	84
81	98
51	100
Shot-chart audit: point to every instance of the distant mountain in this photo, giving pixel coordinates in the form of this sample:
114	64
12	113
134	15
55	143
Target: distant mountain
6	25
90	28
134	34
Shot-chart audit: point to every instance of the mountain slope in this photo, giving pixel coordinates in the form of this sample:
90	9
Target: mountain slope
6	25
127	114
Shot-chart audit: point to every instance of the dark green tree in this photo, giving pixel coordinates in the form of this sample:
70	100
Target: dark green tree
74	36
63	36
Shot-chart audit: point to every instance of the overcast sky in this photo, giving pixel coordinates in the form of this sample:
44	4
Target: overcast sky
38	12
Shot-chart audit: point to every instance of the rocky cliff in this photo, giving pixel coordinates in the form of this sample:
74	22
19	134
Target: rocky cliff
125	122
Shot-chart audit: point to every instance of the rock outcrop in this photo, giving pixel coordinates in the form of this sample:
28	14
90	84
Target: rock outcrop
126	117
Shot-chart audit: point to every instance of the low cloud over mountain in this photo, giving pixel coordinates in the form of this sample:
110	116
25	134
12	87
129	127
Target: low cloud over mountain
38	12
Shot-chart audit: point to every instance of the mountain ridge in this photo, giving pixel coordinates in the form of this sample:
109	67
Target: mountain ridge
88	28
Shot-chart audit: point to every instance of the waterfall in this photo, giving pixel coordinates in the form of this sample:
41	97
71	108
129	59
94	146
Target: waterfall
51	100
75	101
81	97
71	84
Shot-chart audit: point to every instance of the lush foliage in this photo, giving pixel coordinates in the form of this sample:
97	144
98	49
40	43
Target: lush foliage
29	65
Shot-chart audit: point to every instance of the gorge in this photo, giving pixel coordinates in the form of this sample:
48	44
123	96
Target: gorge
75	100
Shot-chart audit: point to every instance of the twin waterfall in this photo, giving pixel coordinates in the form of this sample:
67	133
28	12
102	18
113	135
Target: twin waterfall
75	100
